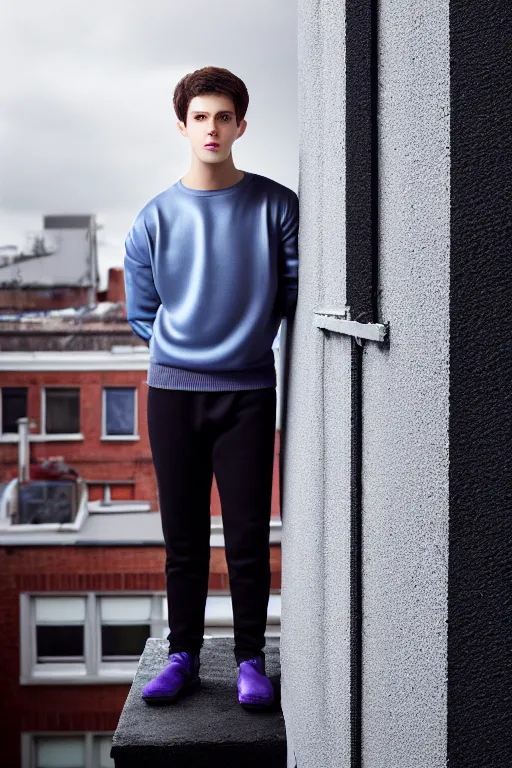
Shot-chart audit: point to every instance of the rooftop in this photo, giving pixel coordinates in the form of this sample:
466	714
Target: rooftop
111	529
209	727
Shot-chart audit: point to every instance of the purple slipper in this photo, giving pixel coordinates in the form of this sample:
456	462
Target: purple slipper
255	690
180	676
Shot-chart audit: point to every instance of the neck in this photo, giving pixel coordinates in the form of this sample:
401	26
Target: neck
212	176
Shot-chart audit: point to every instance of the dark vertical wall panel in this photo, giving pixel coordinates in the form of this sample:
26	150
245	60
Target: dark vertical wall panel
361	271
480	534
361	158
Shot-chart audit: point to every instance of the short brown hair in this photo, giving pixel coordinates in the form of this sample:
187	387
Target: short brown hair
210	80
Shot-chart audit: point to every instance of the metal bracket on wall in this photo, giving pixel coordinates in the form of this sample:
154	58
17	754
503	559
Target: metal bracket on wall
341	323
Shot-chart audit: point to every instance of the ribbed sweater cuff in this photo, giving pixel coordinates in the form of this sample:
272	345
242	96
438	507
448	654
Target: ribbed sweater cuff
168	377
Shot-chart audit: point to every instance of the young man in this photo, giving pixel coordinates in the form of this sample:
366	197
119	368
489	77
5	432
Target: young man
211	268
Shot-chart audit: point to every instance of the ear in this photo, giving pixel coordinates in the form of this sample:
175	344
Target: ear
181	128
241	128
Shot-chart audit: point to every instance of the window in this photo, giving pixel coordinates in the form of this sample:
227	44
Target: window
98	636
103	746
125	627
59	629
46	501
119	411
66	637
218	616
67	750
60	752
14	406
61	410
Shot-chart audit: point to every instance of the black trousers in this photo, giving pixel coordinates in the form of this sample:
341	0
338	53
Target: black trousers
192	436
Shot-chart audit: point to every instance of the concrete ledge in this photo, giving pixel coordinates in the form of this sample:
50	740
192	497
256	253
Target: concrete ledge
207	728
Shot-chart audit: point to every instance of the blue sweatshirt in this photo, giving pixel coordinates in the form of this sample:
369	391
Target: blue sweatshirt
209	274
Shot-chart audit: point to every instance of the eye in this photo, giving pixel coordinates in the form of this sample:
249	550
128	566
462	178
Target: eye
228	117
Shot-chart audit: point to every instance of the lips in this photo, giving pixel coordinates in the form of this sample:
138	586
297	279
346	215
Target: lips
212	144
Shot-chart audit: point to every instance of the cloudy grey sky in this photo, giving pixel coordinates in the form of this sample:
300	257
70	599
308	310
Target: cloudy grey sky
87	123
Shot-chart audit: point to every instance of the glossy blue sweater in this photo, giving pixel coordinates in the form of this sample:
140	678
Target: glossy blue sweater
208	277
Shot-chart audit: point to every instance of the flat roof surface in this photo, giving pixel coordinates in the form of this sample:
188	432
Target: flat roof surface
114	529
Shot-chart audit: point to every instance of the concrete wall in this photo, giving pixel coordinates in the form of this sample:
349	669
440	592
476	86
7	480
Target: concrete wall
316	531
405	409
405	401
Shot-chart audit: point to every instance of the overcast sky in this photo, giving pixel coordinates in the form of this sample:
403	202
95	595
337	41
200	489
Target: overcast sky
87	123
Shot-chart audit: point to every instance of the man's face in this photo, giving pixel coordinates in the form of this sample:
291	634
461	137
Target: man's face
211	117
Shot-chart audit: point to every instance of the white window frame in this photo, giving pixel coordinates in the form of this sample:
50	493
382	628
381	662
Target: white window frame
43	436
91	739
93	670
76	665
104	435
155	619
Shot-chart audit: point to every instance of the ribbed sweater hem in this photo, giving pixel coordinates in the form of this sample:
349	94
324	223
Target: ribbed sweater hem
169	377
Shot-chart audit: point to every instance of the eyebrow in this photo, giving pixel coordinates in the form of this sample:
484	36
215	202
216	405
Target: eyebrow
204	112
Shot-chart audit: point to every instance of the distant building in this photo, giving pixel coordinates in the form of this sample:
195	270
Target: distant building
82	553
79	601
57	268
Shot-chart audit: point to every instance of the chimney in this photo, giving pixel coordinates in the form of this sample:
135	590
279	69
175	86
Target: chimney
24	425
115	288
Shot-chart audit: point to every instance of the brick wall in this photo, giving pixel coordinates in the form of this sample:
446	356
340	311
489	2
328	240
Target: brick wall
52	568
94	458
34	299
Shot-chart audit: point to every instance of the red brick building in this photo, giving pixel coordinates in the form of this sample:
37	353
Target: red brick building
90	408
81	594
75	616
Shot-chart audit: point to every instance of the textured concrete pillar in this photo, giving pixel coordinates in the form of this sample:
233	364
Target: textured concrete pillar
436	461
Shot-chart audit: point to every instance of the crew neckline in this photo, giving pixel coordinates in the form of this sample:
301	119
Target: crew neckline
211	192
